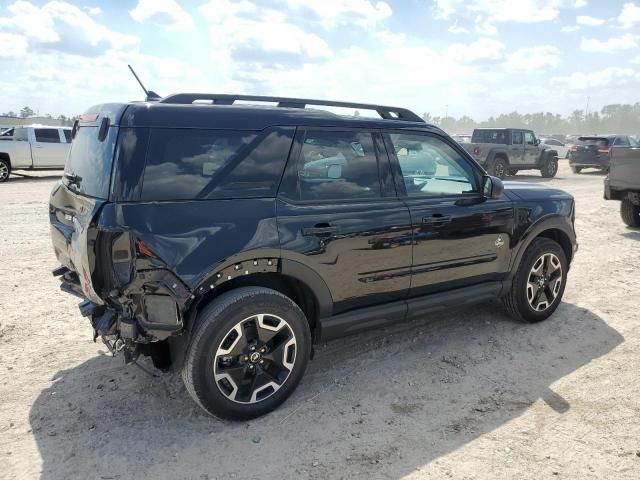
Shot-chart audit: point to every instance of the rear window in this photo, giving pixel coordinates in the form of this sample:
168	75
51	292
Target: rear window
88	168
489	136
188	164
599	141
47	135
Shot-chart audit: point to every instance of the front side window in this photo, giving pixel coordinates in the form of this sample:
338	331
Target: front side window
188	164
621	142
431	167
47	135
67	135
529	138
517	138
338	165
20	135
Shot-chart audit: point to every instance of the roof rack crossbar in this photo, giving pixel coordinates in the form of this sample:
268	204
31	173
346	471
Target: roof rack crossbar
389	113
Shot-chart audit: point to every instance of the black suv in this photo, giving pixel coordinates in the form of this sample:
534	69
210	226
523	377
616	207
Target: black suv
223	239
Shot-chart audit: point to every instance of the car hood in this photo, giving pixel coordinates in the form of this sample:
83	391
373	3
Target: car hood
533	191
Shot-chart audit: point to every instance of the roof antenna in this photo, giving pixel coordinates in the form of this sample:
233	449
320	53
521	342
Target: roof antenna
151	95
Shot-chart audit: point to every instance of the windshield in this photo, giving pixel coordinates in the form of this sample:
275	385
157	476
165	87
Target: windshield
88	168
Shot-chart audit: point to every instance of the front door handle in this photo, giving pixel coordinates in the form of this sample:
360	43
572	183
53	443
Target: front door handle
436	220
320	230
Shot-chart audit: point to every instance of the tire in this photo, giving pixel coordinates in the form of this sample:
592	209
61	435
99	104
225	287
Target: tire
576	169
220	371
521	299
630	213
5	169
498	167
550	167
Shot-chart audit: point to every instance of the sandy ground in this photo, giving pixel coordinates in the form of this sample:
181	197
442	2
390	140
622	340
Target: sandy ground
470	394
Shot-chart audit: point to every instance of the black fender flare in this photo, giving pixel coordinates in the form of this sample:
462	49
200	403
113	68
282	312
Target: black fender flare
308	276
551	222
546	154
497	153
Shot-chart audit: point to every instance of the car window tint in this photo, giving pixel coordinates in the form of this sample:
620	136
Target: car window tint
185	164
517	138
67	135
431	167
338	165
528	138
47	135
621	142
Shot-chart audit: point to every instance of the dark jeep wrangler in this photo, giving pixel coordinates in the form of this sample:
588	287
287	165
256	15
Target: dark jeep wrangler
224	239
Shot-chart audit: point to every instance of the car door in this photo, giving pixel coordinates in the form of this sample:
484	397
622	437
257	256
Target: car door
339	216
516	150
48	148
460	238
531	149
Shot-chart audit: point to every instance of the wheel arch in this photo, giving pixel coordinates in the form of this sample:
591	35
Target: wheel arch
5	156
556	228
502	154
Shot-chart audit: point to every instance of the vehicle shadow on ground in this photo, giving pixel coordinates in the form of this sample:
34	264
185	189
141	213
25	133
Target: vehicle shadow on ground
26	178
376	405
632	233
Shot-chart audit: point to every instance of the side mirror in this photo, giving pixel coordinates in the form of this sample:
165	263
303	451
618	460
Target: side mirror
537	141
492	187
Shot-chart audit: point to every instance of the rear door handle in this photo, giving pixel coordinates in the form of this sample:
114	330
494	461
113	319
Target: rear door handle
319	230
436	220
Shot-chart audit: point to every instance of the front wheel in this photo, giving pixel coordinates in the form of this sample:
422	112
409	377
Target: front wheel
550	167
630	213
5	170
248	352
538	285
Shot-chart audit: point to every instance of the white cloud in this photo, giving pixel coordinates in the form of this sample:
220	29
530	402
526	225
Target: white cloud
539	58
12	45
570	28
580	3
610	45
484	49
636	60
162	12
93	10
589	21
497	11
612	77
457	29
336	12
62	26
630	15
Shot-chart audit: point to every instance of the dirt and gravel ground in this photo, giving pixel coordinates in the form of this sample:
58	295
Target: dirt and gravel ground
468	394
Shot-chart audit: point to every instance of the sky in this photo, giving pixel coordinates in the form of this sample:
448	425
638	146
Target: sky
461	57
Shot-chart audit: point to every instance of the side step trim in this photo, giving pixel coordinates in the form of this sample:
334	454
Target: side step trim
384	315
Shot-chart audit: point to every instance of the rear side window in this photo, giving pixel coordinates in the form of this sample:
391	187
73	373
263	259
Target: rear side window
338	165
621	142
489	136
47	135
20	135
517	138
88	168
67	135
189	164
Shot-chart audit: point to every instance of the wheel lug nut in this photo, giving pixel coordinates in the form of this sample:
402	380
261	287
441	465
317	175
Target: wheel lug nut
252	348
262	350
261	362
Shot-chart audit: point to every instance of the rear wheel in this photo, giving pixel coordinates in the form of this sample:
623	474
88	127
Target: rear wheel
576	169
630	213
498	168
550	167
512	171
5	170
248	353
539	283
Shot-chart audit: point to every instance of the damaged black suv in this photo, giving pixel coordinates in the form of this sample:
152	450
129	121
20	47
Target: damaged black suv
222	238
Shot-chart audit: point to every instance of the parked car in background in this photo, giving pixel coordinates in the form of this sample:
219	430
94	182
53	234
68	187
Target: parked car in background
595	151
461	138
623	183
230	237
34	147
557	145
505	151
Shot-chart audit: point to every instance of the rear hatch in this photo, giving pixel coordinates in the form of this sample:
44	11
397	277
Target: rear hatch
590	150
77	199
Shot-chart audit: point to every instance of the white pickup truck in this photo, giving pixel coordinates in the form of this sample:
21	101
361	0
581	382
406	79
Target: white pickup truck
33	147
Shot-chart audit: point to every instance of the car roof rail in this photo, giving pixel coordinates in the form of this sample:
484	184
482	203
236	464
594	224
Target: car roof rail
388	113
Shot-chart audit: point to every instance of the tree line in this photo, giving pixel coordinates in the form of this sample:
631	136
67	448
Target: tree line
616	118
27	112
